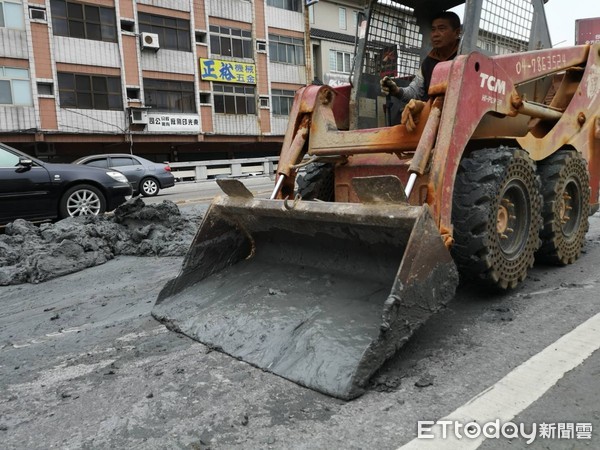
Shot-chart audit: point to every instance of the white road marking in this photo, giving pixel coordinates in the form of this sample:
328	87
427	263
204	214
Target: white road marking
519	389
61	332
50	378
153	332
548	291
128	337
42	340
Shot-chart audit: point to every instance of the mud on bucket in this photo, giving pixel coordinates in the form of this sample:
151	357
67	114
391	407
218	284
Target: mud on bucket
321	294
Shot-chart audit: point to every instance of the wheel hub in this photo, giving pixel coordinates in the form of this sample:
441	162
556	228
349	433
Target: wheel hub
568	209
512	219
505	218
502	222
83	203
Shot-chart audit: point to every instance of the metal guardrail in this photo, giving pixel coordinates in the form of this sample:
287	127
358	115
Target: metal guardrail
206	170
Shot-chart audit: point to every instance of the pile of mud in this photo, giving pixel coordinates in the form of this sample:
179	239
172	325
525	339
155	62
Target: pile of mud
31	254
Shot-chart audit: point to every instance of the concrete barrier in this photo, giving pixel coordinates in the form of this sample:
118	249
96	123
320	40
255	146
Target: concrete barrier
230	168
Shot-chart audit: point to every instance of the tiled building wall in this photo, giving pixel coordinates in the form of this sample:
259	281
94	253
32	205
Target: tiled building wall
287	20
92	121
48	117
239	10
14	62
86	52
178	5
131	60
14	119
13	43
41	50
287	73
47	54
126	9
206	117
236	124
200	14
279	124
166	60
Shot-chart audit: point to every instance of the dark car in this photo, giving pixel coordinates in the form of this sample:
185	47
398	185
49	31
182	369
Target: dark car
35	190
146	177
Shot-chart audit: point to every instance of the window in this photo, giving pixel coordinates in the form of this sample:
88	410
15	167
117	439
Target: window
234	99
205	98
45	88
340	61
120	161
77	20
311	13
173	33
285	49
36	13
84	91
342	18
8	159
127	25
290	5
282	101
11	14
15	87
201	37
102	163
132	93
227	41
169	95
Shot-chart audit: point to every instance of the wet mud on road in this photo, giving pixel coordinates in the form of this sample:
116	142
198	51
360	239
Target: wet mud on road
84	365
31	254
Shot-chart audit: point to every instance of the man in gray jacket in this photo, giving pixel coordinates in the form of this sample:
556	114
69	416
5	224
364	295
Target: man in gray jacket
445	37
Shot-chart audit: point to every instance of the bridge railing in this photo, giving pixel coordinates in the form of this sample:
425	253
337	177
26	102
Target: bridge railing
230	168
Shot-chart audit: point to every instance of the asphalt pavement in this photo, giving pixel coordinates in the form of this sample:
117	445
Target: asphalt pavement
84	365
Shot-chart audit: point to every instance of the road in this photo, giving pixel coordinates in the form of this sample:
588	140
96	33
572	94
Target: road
84	365
203	191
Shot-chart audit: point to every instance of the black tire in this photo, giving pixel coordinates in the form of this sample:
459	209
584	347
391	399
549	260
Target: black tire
82	200
496	215
149	187
566	191
317	183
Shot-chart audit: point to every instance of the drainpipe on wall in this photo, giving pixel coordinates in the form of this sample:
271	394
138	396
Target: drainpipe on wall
307	44
257	79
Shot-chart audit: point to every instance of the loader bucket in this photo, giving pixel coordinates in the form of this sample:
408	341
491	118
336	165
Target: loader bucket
319	293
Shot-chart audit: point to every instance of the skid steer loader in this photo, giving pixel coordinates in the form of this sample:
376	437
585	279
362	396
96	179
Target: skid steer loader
322	283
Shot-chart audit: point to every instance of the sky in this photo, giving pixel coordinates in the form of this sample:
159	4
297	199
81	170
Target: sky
561	16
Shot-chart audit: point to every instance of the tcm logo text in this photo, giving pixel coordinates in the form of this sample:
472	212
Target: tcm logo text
493	84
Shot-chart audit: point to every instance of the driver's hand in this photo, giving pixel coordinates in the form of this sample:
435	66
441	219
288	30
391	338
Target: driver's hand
389	87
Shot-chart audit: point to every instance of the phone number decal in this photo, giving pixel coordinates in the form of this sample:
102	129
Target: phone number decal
541	63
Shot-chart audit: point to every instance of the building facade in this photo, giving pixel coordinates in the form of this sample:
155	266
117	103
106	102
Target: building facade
168	79
333	27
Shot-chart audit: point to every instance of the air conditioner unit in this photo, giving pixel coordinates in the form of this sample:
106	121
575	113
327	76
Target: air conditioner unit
149	41
138	116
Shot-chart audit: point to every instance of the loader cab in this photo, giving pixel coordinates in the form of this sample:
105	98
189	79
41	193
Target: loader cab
393	38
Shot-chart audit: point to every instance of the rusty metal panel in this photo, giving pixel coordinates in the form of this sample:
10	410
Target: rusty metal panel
379	189
587	31
369	165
